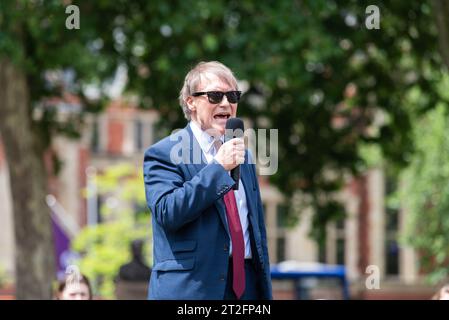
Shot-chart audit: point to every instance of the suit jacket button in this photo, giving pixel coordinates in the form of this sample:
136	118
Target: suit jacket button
222	277
225	247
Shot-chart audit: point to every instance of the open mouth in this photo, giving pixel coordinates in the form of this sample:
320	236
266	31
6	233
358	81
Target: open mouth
222	115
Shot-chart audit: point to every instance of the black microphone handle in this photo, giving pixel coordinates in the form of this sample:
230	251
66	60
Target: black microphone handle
235	175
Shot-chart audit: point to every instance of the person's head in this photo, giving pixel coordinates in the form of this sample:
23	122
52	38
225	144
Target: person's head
74	288
442	294
210	110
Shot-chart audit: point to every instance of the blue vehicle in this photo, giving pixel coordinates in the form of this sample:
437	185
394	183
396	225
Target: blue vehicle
307	276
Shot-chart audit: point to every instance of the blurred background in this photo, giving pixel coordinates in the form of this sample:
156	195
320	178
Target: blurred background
358	91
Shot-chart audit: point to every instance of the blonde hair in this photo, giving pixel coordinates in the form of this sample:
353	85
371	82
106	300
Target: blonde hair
195	76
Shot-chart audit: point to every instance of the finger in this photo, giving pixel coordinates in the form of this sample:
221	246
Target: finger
240	160
240	147
240	152
236	140
228	161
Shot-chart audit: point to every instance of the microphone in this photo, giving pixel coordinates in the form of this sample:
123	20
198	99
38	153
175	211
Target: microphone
234	129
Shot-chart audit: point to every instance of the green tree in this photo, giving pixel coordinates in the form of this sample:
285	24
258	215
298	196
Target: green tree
106	246
425	194
308	63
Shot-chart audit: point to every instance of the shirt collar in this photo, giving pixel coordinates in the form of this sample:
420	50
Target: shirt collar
205	140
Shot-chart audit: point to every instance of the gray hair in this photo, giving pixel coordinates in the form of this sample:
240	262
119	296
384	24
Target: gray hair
194	77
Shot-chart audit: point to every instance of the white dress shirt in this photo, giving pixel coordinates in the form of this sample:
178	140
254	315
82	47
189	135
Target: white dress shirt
206	143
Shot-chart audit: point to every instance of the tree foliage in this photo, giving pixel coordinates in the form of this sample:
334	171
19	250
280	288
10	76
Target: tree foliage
425	195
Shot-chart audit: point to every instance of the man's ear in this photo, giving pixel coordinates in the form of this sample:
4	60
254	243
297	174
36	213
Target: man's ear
191	103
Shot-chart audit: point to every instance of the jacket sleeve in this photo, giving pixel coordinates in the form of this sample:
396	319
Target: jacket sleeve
174	201
263	236
262	227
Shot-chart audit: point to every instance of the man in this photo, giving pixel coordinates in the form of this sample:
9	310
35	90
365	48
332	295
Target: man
209	240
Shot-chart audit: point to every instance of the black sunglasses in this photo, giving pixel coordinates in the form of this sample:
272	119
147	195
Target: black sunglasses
216	96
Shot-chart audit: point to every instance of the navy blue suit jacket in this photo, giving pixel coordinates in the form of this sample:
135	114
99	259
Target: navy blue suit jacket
190	233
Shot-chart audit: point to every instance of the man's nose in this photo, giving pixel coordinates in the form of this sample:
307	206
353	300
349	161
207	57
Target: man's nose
225	101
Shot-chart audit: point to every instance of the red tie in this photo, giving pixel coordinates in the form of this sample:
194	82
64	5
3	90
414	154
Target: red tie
238	245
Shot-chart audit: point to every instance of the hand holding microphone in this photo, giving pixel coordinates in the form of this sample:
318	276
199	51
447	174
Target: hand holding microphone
234	153
231	154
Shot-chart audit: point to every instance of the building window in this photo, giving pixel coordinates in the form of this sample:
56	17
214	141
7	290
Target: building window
392	227
332	250
100	203
322	251
340	242
281	216
391	243
281	230
95	142
280	249
138	134
341	251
